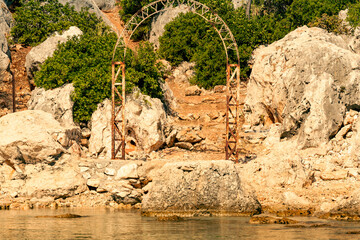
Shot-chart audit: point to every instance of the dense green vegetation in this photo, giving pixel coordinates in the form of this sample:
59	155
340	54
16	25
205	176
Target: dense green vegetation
85	61
187	38
36	20
354	15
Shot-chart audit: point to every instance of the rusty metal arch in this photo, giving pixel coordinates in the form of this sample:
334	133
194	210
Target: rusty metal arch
233	72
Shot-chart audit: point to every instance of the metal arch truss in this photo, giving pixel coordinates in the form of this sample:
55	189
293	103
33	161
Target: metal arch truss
118	111
233	70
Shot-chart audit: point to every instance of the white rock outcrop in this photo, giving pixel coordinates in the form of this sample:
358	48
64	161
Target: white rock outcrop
46	49
306	81
56	101
160	21
198	187
145	123
92	7
59	182
33	136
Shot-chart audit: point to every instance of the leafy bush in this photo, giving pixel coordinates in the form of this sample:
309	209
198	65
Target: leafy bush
354	15
302	12
190	38
36	20
330	23
87	63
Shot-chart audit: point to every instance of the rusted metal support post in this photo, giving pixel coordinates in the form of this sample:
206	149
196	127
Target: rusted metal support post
233	112
13	94
113	110
123	112
238	110
227	147
118	106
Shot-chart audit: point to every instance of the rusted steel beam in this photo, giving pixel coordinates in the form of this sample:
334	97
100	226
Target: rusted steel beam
117	132
13	94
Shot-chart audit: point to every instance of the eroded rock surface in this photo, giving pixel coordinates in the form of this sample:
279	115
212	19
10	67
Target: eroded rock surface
44	50
306	81
56	101
145	123
33	136
198	186
92	7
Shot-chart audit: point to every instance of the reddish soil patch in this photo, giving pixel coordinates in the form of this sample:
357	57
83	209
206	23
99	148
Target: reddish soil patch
114	17
22	85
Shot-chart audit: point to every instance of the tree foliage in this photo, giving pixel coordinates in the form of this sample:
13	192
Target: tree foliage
354	15
36	20
330	23
86	62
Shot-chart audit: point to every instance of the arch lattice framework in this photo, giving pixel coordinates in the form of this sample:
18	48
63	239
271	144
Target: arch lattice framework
232	77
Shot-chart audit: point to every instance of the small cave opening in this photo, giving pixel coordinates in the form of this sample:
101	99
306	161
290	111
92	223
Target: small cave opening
132	142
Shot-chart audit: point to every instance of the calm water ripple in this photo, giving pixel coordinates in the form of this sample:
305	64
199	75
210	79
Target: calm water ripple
110	224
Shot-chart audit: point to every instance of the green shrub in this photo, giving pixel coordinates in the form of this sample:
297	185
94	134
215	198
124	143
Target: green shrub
86	62
302	12
354	15
36	20
190	38
330	23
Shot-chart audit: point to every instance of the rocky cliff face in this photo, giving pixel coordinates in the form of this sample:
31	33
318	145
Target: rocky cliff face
306	81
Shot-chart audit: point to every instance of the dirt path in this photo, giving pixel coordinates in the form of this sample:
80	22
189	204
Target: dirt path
205	115
114	17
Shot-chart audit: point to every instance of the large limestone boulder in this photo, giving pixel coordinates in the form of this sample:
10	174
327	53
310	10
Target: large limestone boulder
306	81
105	5
56	101
92	7
145	123
46	49
198	187
33	136
57	182
100	140
159	22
